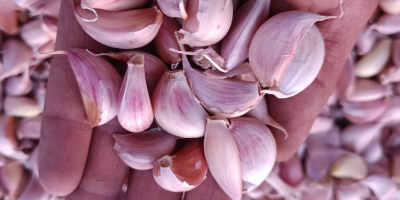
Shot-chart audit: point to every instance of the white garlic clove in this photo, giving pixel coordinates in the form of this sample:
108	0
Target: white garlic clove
175	107
166	39
364	112
18	85
356	137
366	90
16	57
374	61
112	5
135	112
297	56
350	166
8	17
383	187
183	171
29	128
173	8
141	150
391	7
20	106
387	24
207	23
120	29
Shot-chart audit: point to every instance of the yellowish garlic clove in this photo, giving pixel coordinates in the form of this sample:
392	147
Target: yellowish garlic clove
183	171
383	187
36	33
135	113
173	8
176	109
297	56
166	39
112	5
391	7
207	23
141	150
366	90
364	112
16	57
19	106
374	61
349	166
387	24
120	29
29	128
18	85
8	17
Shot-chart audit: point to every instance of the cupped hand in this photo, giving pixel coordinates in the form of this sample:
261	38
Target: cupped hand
80	162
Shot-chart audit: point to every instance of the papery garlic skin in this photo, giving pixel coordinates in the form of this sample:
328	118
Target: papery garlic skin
112	5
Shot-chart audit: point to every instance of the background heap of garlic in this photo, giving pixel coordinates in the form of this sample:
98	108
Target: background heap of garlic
352	151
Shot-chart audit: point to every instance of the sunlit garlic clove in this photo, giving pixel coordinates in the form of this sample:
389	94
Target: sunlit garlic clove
16	57
18	85
364	112
21	107
29	128
135	113
391	7
349	166
366	90
183	171
120	29
141	150
166	39
297	56
374	61
8	17
246	21
173	8
207	23
387	24
175	107
112	5
383	187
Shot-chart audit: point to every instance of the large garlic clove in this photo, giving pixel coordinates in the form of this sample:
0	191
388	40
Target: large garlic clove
349	166
19	106
112	5
120	29
36	33
364	112
387	24
391	7
8	17
141	150
366	90
18	85
246	21
29	128
207	23
297	56
173	8
374	61
183	171
166	39
16	57
257	150
135	113
357	137
383	187
175	107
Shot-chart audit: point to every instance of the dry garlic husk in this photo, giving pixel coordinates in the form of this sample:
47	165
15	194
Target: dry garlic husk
175	107
173	8
207	23
166	39
8	17
135	113
98	82
183	171
387	24
350	166
120	29
375	60
297	56
16	57
391	7
18	85
20	106
366	90
141	150
364	112
242	69
112	5
246	21
36	33
208	57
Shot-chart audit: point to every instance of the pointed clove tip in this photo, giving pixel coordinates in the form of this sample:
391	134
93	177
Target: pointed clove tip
137	59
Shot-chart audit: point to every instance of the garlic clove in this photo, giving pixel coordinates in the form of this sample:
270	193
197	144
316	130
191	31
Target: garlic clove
222	156
366	41
242	69
291	171
328	139
173	8
351	191
391	7
16	57
29	128
175	107
135	113
183	171
320	160
36	33
357	137
257	150
374	61
112	5
18	85
21	106
40	93
373	153
246	77
166	39
45	7
366	90
390	74
12	176
298	52
349	166
246	21
318	191
392	113
141	150
8	17
321	124
383	187
345	83
119	29
387	24
207	23
364	112
280	188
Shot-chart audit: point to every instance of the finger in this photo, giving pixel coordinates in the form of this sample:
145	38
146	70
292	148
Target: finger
208	189
66	134
298	113
142	186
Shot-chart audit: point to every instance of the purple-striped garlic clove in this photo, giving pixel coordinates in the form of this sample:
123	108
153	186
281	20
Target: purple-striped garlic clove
8	17
364	112
112	5
166	39
375	60
20	106
16	57
387	24
173	8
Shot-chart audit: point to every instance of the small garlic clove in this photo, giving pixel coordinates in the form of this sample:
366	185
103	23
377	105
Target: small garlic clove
175	107
173	8
135	113
8	17
141	150
387	24
297	56
350	166
183	171
246	21
366	90
29	128
112	5
366	41
119	29
364	112
392	113
222	156
207	23
291	171
18	85
36	33
374	61
383	187
12	176
391	7
19	106
237	71
390	74
166	39
357	137
16	57
373	153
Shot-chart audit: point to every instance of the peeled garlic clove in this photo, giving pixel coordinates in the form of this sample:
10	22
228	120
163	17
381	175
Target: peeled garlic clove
387	24
18	85
112	5
8	17
374	61
173	8
21	106
383	187
29	128
246	21
357	137
349	166
120	29
222	156
141	150
366	41
257	150
16	57
183	171
135	113
364	112
392	113
36	33
366	90
207	23
297	56
175	107
237	71
291	171
166	39
391	7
